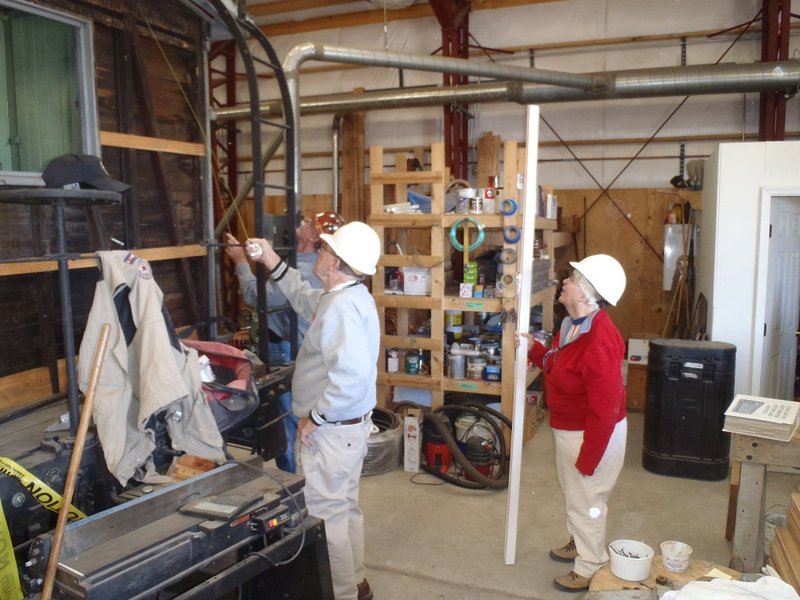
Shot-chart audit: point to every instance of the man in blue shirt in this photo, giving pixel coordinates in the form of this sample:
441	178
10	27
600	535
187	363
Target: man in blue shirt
306	235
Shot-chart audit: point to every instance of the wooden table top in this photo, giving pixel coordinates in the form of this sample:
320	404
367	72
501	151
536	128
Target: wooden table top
603	580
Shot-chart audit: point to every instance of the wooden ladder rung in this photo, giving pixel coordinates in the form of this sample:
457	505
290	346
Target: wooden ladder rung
406	177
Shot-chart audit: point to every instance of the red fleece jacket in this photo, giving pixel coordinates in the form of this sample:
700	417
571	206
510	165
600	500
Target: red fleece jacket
583	386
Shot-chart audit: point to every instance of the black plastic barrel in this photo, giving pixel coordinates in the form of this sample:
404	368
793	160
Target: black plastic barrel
689	387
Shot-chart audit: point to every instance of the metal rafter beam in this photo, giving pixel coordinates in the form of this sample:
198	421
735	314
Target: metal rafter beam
451	14
775	17
453	17
353	19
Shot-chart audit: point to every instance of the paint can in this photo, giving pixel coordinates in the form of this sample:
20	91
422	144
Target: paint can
392	360
475	366
456	366
476	205
492	372
462	203
488	196
412	363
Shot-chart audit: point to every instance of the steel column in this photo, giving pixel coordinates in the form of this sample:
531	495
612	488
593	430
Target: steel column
775	17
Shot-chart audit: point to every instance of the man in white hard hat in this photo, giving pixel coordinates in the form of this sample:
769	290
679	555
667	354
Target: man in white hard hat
334	388
306	235
586	398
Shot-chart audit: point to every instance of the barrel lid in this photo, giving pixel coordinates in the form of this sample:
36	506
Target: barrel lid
692	344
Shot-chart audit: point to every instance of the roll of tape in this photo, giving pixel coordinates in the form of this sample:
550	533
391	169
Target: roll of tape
509	285
511	234
508	207
454	231
508	256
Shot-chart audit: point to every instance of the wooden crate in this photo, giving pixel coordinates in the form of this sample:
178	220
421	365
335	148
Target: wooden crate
637	387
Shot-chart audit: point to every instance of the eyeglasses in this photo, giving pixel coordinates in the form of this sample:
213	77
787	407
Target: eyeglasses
320	245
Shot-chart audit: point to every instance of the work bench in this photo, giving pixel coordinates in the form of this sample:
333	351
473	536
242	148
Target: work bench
755	456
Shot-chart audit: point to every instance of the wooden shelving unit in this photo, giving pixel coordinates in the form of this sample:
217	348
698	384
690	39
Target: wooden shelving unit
387	187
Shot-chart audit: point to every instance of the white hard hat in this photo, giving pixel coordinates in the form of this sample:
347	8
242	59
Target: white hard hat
606	275
357	244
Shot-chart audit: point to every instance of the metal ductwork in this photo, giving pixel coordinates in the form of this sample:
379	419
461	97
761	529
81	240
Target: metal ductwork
639	83
322	52
517	84
672	81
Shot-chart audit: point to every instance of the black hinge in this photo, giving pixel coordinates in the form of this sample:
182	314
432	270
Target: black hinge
765	330
770	230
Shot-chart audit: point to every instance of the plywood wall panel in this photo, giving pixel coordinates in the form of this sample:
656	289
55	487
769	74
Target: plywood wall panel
629	226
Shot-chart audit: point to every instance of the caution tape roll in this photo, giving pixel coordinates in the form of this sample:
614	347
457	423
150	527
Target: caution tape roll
9	576
42	493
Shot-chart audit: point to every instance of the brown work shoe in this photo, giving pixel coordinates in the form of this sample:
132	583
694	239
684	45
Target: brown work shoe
364	593
572	582
566	553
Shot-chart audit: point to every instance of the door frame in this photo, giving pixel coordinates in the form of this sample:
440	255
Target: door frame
760	306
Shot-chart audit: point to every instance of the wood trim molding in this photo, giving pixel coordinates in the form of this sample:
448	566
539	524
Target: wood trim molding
90	260
142	142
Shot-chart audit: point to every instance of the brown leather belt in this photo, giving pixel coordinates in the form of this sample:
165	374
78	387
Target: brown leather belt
352	421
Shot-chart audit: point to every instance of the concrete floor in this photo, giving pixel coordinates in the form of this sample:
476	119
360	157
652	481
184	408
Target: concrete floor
431	541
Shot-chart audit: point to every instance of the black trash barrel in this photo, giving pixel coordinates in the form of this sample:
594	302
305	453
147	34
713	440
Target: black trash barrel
689	387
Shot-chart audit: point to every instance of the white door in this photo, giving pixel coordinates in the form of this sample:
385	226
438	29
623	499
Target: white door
783	299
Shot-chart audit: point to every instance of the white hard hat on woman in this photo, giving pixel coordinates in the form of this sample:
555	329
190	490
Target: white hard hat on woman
604	273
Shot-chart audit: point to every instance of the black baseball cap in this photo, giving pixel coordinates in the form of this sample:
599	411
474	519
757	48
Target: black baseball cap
85	170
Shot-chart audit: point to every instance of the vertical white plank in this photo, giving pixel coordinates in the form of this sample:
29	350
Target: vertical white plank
525	258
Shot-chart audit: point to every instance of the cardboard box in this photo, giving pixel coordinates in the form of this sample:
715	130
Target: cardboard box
416	281
636	387
639	347
412	440
534	413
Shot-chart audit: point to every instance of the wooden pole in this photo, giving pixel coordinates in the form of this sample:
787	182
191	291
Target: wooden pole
74	464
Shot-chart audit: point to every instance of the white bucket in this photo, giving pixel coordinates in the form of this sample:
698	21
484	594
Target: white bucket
630	560
675	556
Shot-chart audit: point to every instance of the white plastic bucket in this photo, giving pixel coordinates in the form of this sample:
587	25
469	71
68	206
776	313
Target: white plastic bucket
675	556
468	425
630	560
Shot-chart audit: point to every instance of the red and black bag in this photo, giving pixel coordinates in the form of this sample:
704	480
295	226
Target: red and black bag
232	396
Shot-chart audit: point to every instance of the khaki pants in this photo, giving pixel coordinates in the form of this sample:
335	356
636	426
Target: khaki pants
585	497
332	468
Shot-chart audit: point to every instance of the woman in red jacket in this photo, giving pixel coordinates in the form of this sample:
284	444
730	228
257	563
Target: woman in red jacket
586	399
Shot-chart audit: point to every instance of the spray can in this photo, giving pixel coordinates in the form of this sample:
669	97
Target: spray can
206	374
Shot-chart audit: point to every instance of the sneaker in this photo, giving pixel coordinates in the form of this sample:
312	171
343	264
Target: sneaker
572	582
364	593
566	553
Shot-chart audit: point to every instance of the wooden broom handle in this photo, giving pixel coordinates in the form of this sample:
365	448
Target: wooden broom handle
75	463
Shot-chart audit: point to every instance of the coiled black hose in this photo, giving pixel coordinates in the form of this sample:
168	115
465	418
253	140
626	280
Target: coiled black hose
384	447
384	419
481	481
